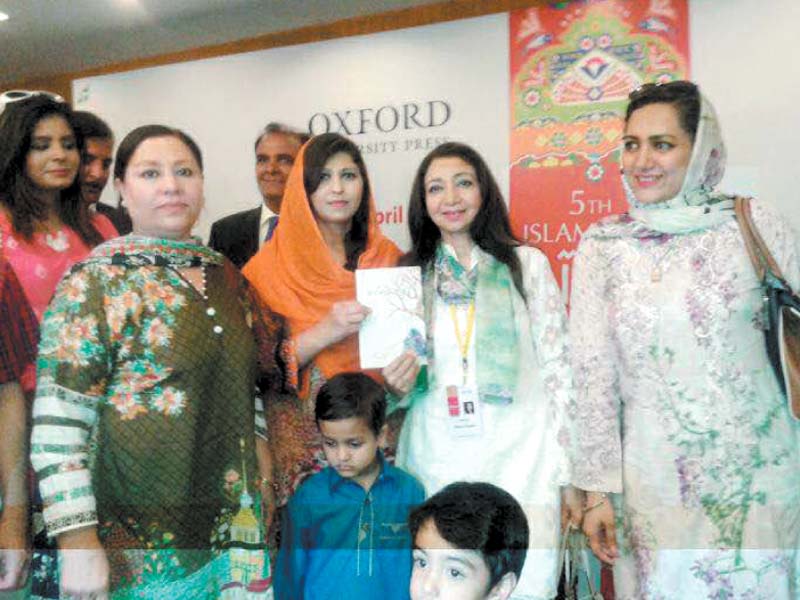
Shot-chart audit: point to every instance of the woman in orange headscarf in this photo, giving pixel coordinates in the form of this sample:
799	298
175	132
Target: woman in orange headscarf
327	229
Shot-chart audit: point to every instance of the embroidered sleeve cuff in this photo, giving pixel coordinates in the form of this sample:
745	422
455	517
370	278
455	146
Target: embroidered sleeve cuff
260	420
70	523
69	514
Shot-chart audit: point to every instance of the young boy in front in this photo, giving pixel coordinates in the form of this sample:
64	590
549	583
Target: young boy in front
345	533
470	542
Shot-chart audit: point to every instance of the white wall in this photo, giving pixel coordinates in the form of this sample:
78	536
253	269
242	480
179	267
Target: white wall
744	55
224	102
741	53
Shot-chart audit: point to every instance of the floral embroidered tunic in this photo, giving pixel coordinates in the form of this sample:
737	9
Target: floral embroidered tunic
39	264
523	445
681	412
144	417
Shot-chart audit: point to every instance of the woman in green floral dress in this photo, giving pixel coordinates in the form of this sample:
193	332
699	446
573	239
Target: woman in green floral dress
147	425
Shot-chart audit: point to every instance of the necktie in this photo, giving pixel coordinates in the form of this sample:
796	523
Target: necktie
271	223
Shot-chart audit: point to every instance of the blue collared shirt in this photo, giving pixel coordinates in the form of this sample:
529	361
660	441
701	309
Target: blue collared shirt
340	541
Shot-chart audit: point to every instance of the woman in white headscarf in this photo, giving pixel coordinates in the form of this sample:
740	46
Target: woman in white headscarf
687	450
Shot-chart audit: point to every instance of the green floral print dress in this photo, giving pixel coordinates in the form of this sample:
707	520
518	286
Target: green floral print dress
146	417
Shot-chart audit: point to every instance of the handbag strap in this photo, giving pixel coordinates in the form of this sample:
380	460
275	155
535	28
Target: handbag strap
759	253
573	544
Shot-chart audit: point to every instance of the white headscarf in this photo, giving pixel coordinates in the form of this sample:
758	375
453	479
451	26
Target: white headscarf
696	206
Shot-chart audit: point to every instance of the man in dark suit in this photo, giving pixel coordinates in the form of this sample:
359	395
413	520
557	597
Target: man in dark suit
98	148
240	235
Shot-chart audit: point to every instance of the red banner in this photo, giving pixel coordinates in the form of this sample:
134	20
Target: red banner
572	66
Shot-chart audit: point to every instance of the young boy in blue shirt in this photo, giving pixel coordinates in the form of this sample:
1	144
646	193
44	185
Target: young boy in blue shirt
345	532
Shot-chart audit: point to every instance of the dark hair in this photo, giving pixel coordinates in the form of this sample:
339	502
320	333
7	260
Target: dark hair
491	228
318	150
89	125
17	192
132	141
683	95
481	517
280	129
348	395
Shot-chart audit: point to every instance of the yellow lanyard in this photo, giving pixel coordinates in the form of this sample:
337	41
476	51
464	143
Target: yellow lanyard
463	343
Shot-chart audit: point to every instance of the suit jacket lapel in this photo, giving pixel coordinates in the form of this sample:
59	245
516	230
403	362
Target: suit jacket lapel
254	230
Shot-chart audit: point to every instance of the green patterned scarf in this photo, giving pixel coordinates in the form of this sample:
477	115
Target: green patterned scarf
141	250
490	285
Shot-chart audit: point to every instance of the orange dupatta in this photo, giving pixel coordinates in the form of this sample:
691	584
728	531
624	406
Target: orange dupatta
296	276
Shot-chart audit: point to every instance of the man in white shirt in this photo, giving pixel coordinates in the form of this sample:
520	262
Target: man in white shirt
240	235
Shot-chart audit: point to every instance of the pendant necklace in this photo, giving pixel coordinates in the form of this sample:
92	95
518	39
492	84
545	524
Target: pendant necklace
656	273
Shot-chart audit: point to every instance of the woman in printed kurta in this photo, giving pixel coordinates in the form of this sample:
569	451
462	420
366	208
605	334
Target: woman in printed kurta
682	418
45	228
145	418
500	385
327	229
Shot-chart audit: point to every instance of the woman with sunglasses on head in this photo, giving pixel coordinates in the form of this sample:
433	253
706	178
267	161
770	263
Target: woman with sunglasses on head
46	226
44	229
687	450
327	229
148	437
500	384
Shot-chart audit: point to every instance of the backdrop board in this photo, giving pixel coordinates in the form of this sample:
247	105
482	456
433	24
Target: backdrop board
397	94
572	67
493	82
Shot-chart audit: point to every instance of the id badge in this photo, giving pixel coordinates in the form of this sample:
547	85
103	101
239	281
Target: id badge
463	411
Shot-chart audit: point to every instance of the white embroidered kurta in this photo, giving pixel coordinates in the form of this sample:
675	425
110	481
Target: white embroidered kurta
523	445
679	410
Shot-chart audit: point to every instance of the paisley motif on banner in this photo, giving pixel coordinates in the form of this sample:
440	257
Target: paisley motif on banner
573	65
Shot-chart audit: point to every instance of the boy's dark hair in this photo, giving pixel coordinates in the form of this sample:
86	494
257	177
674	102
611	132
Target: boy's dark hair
480	517
348	395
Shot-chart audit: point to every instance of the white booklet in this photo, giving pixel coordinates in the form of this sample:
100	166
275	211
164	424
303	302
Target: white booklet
397	320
